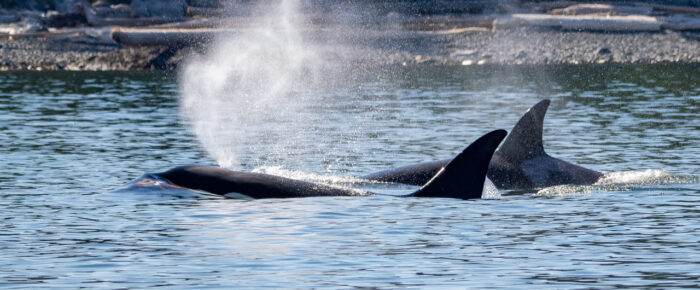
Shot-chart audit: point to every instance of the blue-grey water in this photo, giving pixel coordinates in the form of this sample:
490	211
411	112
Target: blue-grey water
70	141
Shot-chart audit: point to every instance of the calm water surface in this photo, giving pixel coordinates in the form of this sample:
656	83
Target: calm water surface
70	140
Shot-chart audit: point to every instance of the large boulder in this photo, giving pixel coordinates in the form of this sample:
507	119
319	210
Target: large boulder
159	8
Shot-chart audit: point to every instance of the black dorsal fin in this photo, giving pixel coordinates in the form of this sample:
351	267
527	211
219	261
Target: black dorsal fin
464	176
525	139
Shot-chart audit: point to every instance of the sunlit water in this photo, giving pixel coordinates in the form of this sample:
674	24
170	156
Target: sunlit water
70	140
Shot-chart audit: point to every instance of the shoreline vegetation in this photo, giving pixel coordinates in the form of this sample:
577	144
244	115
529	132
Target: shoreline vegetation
160	35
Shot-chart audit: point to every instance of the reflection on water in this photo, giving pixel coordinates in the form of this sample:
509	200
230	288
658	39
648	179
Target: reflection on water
69	139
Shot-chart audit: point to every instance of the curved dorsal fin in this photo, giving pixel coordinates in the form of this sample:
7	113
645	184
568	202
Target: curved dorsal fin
525	139
464	176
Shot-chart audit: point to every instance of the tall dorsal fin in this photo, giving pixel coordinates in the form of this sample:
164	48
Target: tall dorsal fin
525	139
464	176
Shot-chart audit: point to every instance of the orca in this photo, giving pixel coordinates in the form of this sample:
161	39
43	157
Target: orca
520	163
463	177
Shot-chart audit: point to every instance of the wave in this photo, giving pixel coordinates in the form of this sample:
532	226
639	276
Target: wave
153	185
313	177
621	181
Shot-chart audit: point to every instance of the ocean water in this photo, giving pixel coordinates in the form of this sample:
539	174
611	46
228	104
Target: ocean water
73	142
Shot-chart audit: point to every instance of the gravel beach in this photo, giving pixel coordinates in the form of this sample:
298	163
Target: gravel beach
386	47
386	39
67	54
531	46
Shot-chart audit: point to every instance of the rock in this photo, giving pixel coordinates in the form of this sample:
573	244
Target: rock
159	8
56	19
604	50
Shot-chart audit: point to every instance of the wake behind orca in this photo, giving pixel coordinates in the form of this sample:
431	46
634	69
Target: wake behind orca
462	177
520	162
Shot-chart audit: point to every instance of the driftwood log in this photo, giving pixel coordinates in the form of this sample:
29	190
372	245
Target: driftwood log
165	37
607	9
583	22
556	6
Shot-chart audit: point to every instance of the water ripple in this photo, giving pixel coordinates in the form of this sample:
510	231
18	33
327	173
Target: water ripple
73	140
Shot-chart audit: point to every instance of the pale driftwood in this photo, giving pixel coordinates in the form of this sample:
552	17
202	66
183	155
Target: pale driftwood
589	22
461	30
607	9
680	22
40	34
164	37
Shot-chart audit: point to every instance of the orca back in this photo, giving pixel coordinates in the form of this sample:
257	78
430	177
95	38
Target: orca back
462	178
416	174
255	185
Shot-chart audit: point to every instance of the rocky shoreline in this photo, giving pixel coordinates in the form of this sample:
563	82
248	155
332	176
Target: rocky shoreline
506	47
389	39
